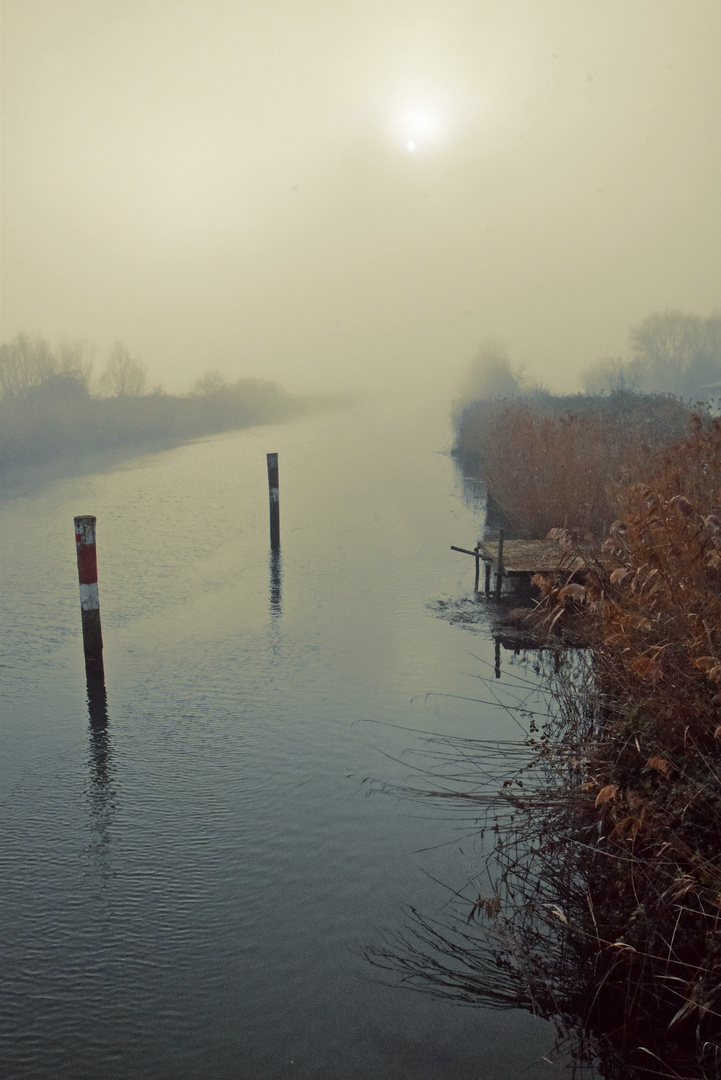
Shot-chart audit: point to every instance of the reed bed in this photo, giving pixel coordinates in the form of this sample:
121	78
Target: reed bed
557	462
601	900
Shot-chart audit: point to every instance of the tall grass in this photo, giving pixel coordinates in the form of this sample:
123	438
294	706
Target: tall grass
651	610
603	910
550	462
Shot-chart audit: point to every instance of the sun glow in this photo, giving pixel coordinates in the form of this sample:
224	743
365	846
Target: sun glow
416	129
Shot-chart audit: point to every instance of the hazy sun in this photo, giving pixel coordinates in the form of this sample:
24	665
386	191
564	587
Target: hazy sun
416	129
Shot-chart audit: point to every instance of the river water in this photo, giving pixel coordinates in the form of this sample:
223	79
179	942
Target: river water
186	893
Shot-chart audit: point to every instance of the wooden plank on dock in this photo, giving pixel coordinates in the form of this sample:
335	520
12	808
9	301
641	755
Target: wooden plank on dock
529	556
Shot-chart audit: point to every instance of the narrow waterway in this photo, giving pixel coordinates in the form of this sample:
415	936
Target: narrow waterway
186	891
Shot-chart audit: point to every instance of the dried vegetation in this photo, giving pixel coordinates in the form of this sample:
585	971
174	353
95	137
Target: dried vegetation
602	905
651	609
556	462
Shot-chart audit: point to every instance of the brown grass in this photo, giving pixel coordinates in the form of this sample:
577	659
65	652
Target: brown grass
602	907
652	613
546	464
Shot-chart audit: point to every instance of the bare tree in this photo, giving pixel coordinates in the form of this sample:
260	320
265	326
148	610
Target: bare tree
76	358
611	375
210	382
673	353
24	363
665	343
123	376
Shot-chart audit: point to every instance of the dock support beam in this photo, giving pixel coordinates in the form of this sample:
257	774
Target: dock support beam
499	565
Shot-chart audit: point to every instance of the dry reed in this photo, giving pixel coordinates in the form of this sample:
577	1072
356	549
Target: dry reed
602	909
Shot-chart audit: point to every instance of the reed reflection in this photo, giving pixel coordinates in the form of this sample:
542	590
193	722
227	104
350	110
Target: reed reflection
473	491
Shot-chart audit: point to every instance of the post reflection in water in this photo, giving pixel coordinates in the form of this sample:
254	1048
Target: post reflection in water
276	581
147	857
100	761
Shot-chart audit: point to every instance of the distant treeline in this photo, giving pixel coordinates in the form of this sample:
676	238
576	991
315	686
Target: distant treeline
550	461
672	352
47	410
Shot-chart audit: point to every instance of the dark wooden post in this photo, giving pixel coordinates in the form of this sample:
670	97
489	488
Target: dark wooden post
499	565
274	496
477	549
89	599
488	577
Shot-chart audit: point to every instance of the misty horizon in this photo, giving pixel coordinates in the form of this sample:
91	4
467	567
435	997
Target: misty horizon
336	198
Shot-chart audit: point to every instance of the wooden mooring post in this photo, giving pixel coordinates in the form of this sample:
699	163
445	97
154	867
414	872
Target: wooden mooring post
89	598
274	497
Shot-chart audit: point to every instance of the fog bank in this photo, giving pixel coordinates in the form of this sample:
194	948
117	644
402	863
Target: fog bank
335	196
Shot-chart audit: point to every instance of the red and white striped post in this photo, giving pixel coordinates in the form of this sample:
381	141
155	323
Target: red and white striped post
274	497
89	601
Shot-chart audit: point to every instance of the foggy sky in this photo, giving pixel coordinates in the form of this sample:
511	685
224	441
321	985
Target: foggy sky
228	184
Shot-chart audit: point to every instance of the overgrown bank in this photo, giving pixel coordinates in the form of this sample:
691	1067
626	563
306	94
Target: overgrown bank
549	462
603	910
648	809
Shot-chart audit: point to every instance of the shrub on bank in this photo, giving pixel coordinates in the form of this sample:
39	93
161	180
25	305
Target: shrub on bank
601	905
650	814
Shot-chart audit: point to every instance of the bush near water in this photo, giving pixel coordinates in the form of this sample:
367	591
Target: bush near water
549	462
631	483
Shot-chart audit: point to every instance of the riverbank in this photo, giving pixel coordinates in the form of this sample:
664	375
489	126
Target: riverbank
59	426
600	905
605	911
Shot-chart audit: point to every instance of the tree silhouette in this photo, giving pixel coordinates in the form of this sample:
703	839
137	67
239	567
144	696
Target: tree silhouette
123	376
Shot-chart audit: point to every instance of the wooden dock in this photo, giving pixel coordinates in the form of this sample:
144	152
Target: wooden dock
519	559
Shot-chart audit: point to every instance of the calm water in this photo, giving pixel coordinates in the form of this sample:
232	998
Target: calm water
186	893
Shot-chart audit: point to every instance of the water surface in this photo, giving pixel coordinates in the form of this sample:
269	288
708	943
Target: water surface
186	888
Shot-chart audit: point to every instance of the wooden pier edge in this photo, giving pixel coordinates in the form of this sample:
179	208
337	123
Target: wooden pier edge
517	559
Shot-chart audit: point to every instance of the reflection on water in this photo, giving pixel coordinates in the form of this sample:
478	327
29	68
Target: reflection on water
184	856
545	926
473	490
276	582
100	761
482	502
517	934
